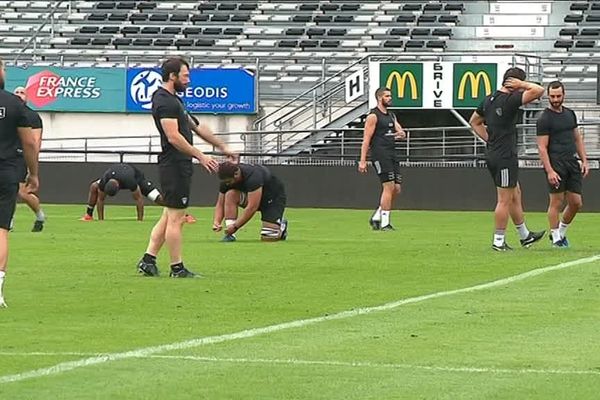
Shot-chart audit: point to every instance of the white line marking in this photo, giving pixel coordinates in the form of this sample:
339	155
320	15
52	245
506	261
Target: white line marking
357	364
148	351
363	364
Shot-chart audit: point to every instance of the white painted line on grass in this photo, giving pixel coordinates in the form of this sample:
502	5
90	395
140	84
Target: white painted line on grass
364	364
148	351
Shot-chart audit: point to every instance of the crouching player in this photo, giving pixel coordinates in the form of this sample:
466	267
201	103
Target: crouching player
254	188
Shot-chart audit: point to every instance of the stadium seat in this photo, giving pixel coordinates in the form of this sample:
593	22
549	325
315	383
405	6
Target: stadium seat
142	42
240	18
399	32
448	19
219	18
308	7
100	41
294	32
179	17
96	16
563	44
573	18
106	5
302	18
454	7
595	6
80	41
592	18
211	31
248	7
587	44
162	42
138	18
436	44
442	32
122	41
192	30
150	30
427	19
206	7
130	30
146	5
226	6
350	7
412	7
125	5
287	43
343	19
590	32
171	30
109	30
233	31
337	32
199	18
329	7
405	18
323	19
88	30
417	32
120	17
392	43
204	42
433	7
579	6
184	42
159	17
330	43
569	32
414	44
312	31
308	43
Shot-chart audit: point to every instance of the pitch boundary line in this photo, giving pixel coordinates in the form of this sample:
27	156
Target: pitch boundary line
247	333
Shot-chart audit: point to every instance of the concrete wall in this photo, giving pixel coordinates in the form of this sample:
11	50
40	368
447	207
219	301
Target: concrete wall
334	187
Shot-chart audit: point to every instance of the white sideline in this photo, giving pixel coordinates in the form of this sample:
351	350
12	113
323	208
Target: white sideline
364	364
148	351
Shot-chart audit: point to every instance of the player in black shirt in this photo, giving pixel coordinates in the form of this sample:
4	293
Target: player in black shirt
31	199
117	177
559	144
175	165
381	130
14	126
499	111
254	188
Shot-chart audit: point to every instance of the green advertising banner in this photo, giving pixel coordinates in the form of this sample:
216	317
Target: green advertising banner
71	89
405	81
472	83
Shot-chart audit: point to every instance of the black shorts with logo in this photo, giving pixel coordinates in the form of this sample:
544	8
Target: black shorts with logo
9	187
504	171
272	203
386	164
571	178
175	182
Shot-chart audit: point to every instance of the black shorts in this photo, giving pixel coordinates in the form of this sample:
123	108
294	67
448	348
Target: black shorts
386	164
8	201
272	203
21	170
175	181
571	178
504	171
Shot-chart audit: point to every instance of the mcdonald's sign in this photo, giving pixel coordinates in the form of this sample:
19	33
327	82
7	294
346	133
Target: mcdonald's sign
405	81
472	82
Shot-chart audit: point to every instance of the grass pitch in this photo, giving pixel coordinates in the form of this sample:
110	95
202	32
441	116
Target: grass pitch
74	295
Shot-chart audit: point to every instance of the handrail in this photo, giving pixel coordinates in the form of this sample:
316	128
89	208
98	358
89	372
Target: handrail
36	33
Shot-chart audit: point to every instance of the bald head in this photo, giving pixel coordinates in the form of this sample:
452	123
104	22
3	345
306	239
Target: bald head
21	93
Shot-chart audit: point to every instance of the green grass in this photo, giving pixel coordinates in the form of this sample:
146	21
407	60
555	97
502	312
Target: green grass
73	288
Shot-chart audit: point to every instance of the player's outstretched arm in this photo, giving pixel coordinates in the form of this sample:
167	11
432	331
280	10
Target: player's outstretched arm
101	197
139	203
253	204
207	134
219	213
370	124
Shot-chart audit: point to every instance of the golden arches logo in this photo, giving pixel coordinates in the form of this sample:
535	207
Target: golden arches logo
401	80
475	80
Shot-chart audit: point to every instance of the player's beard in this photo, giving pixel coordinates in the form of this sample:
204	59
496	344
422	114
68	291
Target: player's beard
556	104
179	87
387	104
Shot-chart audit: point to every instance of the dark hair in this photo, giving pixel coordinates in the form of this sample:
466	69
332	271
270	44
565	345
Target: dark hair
111	187
556	85
172	65
227	170
379	92
514	72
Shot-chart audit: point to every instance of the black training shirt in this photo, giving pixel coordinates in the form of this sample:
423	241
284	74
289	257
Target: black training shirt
559	127
13	115
167	105
500	111
125	174
36	123
385	130
253	178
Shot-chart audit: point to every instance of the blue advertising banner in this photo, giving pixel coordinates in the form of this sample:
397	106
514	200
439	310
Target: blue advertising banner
211	90
70	89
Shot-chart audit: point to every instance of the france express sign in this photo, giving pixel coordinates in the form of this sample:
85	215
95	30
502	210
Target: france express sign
405	81
211	90
472	83
70	89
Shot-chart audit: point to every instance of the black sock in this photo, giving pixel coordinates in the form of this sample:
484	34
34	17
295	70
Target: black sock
149	259
90	211
177	267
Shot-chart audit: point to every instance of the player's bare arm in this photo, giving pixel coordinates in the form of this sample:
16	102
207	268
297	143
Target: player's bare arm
253	204
30	152
532	91
580	145
139	203
478	124
369	131
100	205
219	213
543	142
171	129
400	133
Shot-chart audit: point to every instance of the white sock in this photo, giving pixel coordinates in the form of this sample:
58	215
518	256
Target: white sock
40	216
377	215
555	235
12	224
562	228
523	231
499	237
2	275
228	223
385	218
